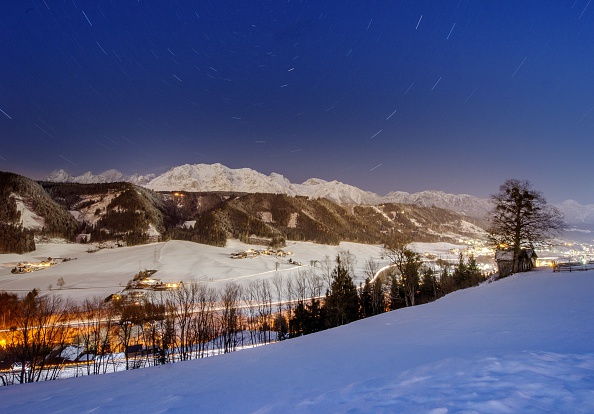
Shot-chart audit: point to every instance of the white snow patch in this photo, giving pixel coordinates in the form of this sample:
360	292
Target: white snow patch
107	271
189	224
101	201
29	219
152	231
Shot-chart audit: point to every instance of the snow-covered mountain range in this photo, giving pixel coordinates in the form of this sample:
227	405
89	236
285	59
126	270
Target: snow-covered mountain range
217	177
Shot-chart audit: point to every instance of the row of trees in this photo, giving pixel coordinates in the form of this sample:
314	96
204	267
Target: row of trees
35	327
197	320
16	239
408	282
182	324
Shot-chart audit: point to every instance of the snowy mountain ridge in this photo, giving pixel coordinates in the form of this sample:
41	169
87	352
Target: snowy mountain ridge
577	213
462	203
217	177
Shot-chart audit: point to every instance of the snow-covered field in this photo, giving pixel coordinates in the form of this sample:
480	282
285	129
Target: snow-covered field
107	271
524	344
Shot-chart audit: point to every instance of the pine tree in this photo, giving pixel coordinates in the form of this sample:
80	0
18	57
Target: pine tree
460	274
378	299
396	294
429	285
366	300
475	276
298	320
307	318
342	300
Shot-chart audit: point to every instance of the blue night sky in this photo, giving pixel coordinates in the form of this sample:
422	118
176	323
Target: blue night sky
389	95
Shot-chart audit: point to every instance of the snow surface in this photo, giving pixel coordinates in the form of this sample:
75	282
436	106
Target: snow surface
107	271
522	344
29	219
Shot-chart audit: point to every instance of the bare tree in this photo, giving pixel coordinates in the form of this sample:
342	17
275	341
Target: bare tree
181	303
131	317
521	218
327	266
315	283
96	322
408	264
40	326
300	286
154	311
348	260
203	320
265	309
280	322
251	304
230	317
371	268
279	283
290	298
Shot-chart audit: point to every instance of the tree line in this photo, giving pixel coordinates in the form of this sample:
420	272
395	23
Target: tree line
197	320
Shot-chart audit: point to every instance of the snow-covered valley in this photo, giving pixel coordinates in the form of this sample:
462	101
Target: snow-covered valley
101	272
521	344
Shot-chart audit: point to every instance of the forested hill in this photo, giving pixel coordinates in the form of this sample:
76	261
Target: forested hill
115	211
133	215
278	217
27	209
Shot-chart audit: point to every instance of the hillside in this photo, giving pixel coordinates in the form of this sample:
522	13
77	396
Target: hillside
112	211
461	203
27	210
521	344
218	178
127	213
278	217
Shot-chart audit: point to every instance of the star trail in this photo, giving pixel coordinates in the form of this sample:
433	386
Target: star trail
443	95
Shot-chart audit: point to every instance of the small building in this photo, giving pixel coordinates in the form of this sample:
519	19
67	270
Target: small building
505	261
262	241
83	238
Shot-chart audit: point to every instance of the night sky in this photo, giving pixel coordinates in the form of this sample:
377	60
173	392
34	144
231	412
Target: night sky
413	95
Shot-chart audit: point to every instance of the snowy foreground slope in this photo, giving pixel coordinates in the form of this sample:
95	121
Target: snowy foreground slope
524	344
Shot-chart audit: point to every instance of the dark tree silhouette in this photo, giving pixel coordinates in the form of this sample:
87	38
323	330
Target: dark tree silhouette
342	300
521	218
